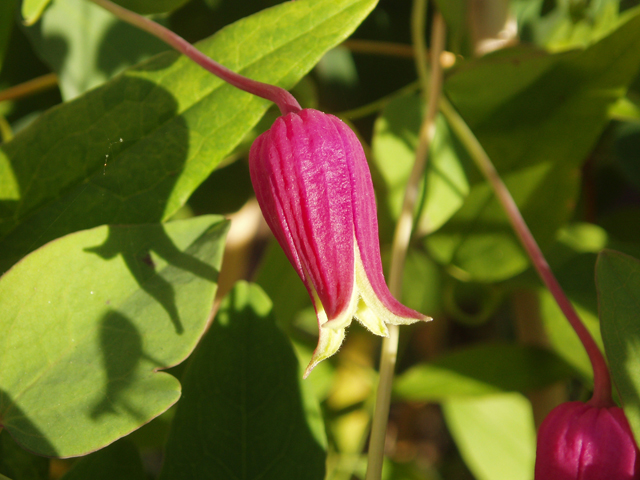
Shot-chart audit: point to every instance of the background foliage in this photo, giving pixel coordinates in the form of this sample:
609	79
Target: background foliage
115	175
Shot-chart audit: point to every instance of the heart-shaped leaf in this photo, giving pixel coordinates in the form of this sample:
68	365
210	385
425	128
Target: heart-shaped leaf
90	318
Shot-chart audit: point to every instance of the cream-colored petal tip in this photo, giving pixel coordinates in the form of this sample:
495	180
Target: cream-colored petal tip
329	342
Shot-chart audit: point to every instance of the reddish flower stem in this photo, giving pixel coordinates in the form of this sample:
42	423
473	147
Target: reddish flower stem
283	99
601	378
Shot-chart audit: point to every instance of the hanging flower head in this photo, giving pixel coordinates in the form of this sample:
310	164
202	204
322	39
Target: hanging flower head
313	185
578	441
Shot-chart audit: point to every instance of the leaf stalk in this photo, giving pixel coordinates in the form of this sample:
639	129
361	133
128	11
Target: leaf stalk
282	98
601	377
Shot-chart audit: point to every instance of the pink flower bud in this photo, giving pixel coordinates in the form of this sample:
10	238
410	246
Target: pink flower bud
580	442
313	185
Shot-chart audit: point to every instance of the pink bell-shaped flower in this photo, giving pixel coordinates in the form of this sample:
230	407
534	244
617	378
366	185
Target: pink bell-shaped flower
313	185
578	441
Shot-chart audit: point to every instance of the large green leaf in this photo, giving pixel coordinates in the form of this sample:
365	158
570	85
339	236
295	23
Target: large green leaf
495	435
537	116
88	320
245	413
394	144
120	461
283	286
482	370
86	45
618	280
161	128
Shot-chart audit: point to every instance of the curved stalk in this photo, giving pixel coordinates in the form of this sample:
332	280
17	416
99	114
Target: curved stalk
283	99
404	227
601	378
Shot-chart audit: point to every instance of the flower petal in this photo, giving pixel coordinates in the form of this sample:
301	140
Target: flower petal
329	339
299	170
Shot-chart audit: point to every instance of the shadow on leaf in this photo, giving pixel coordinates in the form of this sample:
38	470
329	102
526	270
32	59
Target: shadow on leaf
135	245
121	347
13	419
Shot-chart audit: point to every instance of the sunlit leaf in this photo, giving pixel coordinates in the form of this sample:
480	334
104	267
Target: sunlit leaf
134	149
495	435
394	144
88	321
32	10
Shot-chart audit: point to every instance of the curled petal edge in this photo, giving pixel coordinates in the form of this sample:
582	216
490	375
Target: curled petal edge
364	306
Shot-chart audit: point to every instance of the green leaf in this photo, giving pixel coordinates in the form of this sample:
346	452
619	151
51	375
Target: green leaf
618	280
481	370
88	321
86	45
151	6
161	128
538	118
245	413
32	10
394	143
495	435
569	24
421	283
18	463
120	461
283	286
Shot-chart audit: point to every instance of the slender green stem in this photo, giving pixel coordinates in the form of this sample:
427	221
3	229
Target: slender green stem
601	379
283	99
418	22
403	230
